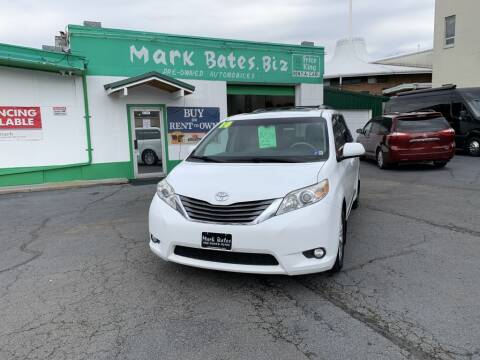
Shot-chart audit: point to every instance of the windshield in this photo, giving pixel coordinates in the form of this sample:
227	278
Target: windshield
472	97
424	125
265	140
475	106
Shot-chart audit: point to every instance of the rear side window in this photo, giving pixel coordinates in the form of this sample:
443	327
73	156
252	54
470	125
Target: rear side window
385	125
422	125
148	134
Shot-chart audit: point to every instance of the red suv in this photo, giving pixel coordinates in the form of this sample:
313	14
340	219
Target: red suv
410	137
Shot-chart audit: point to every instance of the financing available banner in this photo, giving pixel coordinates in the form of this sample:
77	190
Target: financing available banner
187	125
20	123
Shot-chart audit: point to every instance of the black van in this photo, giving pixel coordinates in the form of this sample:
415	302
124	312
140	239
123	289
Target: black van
461	107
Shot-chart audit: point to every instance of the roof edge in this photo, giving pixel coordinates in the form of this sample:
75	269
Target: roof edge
403	55
79	30
37	59
419	71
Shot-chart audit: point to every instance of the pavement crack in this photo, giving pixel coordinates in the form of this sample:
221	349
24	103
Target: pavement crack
405	251
273	322
421	349
34	235
449	227
113	193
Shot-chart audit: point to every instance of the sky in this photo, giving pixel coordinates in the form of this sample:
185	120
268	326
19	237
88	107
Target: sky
389	27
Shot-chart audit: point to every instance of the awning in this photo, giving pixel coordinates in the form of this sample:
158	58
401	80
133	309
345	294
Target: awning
153	78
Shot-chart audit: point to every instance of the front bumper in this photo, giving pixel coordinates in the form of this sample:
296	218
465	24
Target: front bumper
285	237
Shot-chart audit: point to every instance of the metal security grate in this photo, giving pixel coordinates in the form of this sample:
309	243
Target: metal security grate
238	213
239	258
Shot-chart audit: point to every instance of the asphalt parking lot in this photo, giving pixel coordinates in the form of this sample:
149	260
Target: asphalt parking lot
78	281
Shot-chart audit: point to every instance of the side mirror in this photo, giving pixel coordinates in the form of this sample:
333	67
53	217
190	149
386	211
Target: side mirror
351	150
359	131
463	115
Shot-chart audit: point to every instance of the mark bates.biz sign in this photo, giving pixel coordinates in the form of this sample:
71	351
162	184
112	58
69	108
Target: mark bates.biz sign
234	65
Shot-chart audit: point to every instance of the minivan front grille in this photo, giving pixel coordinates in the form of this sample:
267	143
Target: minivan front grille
237	213
227	257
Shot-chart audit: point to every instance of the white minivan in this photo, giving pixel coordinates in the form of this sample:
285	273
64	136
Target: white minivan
268	192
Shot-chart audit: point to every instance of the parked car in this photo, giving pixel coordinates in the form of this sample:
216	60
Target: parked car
149	145
268	192
461	107
411	137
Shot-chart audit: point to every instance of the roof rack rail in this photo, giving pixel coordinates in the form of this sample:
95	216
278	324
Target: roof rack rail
291	108
422	111
441	88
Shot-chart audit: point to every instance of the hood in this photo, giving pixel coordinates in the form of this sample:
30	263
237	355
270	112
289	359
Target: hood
242	182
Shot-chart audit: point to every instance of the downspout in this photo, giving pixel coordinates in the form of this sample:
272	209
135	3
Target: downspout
87	118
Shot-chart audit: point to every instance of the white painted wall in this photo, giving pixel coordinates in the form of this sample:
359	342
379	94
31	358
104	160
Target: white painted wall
63	140
308	94
109	113
458	64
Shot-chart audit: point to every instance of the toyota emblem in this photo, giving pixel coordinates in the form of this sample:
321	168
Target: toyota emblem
221	196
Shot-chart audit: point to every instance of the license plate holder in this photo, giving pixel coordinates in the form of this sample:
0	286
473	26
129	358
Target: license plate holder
216	240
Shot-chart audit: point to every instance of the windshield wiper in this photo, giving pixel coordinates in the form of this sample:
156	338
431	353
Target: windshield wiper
204	158
264	159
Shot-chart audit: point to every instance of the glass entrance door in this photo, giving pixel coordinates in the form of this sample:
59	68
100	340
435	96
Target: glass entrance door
147	128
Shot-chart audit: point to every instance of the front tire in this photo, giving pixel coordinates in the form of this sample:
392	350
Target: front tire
342	239
473	146
440	164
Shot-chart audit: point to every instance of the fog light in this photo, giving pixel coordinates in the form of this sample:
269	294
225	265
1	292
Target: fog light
319	253
154	239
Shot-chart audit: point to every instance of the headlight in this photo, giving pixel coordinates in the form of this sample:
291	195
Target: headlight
166	193
303	197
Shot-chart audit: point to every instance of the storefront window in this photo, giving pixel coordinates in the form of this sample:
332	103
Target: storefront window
239	104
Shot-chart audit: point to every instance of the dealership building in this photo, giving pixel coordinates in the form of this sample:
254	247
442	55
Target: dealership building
122	104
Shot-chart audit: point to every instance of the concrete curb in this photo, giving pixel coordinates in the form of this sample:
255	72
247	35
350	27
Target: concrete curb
60	186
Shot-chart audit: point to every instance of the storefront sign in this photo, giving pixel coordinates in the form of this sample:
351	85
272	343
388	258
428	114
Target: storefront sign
306	66
59	110
20	123
187	125
132	53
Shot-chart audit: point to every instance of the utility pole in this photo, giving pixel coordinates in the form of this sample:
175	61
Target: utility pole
350	10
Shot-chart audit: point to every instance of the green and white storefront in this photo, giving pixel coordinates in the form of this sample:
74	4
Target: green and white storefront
90	112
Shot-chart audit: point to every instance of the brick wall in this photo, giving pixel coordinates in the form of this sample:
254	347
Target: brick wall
383	82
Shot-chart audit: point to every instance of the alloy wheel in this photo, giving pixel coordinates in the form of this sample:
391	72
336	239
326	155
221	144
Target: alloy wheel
380	161
474	147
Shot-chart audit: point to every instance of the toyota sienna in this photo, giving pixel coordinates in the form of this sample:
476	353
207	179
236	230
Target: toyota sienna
268	192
